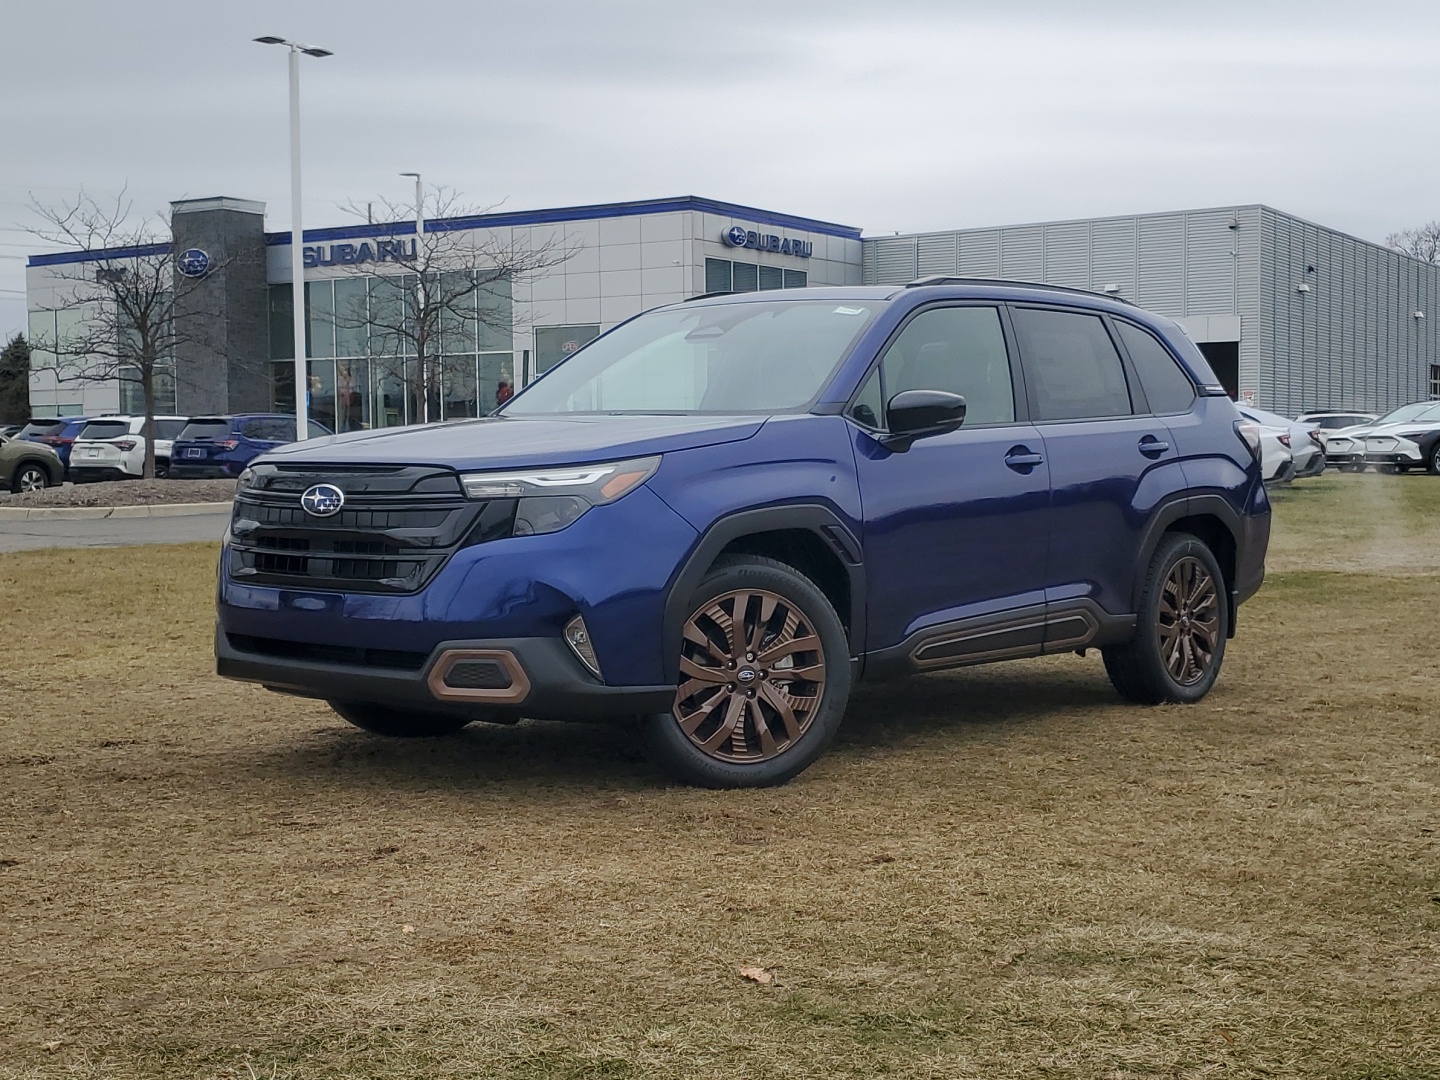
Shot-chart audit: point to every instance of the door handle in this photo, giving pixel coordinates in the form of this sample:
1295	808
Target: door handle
1022	459
1152	447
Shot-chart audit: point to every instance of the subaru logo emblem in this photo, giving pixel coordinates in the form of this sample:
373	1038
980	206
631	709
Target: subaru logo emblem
322	500
745	675
735	236
193	263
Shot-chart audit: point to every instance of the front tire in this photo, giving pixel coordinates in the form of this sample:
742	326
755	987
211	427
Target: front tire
29	477
1180	635
1432	466
397	723
764	679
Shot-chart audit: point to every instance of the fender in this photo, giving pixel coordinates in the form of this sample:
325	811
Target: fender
816	518
1165	515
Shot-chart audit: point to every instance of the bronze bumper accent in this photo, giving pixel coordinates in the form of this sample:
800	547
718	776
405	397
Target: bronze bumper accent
462	675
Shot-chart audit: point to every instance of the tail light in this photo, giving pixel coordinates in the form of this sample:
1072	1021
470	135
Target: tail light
1284	440
55	440
1250	435
125	445
1317	437
227	444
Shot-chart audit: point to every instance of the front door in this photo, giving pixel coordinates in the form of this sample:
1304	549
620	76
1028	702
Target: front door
955	526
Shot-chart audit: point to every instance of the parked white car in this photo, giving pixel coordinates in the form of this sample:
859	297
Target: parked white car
1307	452
1400	439
111	448
1334	421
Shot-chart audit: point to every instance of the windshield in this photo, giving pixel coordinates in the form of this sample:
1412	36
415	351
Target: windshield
1419	410
758	357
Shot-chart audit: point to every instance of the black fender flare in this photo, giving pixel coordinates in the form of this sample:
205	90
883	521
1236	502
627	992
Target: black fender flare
816	518
1173	510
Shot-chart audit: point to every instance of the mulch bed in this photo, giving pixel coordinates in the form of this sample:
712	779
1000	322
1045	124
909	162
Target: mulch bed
127	493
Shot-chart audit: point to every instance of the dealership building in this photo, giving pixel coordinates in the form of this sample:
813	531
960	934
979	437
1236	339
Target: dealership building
1292	315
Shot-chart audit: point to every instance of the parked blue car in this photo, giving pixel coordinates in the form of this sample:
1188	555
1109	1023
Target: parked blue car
221	446
58	433
720	514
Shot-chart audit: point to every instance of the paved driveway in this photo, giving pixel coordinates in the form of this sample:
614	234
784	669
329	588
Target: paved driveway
114	532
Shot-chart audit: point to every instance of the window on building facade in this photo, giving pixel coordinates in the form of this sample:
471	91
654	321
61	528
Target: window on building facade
363	371
1435	381
722	275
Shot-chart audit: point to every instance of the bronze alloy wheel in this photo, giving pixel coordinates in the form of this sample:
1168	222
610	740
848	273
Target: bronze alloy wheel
1188	621
752	675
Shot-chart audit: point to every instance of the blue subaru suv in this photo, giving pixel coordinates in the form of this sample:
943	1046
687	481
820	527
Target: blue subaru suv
719	515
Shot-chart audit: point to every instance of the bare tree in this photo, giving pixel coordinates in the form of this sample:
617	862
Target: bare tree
1422	243
427	285
127	305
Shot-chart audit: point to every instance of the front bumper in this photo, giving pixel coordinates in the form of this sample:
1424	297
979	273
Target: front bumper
1392	451
542	679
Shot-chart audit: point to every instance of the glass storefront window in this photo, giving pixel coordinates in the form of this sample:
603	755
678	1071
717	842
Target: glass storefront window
321	404
496	316
352	395
320	306
351	315
282	323
457	375
496	370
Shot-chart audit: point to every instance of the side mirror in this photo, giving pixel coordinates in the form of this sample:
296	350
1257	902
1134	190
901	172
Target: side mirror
915	414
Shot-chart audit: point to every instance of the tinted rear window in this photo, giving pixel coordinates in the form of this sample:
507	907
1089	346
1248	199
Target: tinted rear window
205	429
1167	387
168	429
41	427
105	429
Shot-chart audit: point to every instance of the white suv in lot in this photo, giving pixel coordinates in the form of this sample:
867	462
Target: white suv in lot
111	448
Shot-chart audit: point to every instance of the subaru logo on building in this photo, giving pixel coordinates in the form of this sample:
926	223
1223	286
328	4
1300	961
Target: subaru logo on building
741	237
192	262
322	500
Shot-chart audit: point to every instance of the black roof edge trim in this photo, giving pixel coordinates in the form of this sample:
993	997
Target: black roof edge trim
954	279
707	295
1214	390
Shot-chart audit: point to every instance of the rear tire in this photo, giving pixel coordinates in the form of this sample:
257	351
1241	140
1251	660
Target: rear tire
397	723
29	477
162	469
1432	466
1180	634
764	682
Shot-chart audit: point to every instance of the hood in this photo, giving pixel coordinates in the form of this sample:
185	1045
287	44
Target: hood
502	442
1395	429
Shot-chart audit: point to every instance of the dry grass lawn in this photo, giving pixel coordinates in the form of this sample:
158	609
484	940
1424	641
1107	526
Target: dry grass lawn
997	873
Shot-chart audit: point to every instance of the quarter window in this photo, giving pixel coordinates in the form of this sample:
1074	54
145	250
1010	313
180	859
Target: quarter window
960	350
1071	367
1167	387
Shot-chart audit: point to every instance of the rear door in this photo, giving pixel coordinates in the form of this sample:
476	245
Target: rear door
1111	464
955	529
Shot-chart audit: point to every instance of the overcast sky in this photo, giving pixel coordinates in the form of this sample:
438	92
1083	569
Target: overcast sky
894	116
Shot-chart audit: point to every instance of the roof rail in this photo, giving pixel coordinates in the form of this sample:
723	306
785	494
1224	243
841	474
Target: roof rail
707	295
953	279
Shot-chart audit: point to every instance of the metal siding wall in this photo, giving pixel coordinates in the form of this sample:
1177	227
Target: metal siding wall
1211	273
979	253
1162	264
896	260
1247	293
1022	253
1067	255
1114	252
936	254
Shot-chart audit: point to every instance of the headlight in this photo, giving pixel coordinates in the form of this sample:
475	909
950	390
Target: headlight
551	499
245	479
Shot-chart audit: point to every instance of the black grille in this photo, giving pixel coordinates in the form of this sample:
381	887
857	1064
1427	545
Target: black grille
328	654
478	675
396	530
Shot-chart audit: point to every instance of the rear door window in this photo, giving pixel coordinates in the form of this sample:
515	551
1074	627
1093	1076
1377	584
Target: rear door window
1072	369
205	429
105	429
1167	387
168	429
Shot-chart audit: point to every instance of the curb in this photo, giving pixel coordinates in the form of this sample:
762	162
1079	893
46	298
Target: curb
93	513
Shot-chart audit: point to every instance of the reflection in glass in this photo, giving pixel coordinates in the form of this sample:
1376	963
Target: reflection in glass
352	395
458	380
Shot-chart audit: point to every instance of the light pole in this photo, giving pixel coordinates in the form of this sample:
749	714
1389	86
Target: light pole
421	359
297	255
